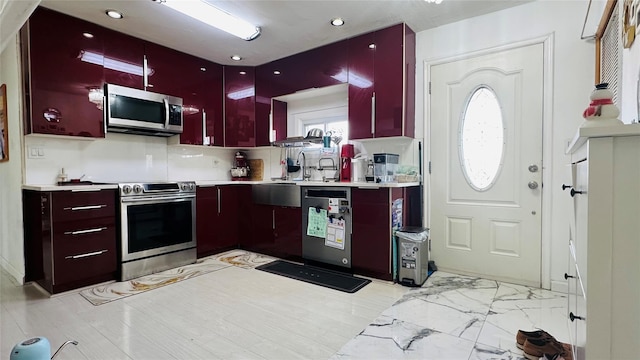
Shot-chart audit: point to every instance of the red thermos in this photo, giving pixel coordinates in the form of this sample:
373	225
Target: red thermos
346	154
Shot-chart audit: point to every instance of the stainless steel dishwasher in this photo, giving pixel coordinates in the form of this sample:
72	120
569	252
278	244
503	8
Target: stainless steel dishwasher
329	207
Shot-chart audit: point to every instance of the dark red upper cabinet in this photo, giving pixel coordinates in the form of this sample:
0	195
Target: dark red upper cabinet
123	60
279	119
239	100
201	93
315	68
198	82
65	67
361	85
393	92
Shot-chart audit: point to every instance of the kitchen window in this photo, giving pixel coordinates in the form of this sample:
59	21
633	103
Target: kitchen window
332	119
337	127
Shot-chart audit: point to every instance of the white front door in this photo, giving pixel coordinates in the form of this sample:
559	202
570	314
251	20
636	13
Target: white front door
486	160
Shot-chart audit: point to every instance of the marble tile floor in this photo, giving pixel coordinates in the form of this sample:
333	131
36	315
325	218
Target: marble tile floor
242	313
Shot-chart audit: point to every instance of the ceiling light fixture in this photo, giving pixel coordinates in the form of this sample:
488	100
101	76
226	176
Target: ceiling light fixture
434	1
210	15
236	57
113	64
242	93
339	21
114	14
352	78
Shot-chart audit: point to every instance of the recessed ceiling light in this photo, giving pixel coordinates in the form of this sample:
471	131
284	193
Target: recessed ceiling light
236	57
87	35
114	14
276	72
243	73
337	22
372	46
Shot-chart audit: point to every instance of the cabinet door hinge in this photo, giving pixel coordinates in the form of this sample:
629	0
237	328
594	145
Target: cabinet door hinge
429	167
429	87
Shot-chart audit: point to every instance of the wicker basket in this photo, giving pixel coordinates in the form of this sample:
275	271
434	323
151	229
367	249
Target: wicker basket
404	178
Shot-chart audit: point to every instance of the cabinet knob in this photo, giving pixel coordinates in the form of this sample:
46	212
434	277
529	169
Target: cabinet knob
567	276
575	317
574	192
565	187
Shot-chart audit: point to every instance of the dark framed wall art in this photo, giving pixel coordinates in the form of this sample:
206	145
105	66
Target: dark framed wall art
4	125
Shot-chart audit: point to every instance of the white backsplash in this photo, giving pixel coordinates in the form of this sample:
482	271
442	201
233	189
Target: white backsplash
117	158
124	157
199	163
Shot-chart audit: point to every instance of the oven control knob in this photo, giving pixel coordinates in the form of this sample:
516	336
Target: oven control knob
184	187
192	187
126	189
137	189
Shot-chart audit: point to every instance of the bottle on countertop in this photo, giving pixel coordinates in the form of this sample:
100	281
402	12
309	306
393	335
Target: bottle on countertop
62	177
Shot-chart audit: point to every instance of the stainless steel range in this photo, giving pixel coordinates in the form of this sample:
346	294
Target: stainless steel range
157	227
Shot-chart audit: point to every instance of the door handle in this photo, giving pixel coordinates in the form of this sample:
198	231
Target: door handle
88	231
373	114
533	168
532	185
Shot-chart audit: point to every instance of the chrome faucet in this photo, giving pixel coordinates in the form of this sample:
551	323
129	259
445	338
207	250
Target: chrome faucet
305	175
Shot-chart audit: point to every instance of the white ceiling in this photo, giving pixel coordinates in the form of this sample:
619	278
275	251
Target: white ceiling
288	27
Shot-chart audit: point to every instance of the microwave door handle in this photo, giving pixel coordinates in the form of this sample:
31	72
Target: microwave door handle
166	113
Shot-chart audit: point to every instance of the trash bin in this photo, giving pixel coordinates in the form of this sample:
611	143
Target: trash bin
413	255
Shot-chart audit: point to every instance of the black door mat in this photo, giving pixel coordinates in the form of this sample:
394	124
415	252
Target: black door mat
327	278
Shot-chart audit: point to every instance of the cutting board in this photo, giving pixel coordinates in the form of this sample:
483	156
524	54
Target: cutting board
257	169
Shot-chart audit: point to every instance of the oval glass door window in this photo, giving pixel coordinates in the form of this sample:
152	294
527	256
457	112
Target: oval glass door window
481	139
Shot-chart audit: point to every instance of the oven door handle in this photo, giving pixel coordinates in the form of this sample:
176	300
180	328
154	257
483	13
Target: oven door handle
156	199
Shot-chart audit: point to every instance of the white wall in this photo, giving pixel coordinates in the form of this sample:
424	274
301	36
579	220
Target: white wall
572	67
11	238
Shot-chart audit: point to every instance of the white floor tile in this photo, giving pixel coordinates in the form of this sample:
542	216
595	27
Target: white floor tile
238	312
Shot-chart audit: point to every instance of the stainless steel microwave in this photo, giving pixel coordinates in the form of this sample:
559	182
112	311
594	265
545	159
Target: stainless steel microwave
139	112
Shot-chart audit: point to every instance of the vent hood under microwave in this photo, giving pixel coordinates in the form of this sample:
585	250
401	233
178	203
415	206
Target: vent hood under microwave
138	112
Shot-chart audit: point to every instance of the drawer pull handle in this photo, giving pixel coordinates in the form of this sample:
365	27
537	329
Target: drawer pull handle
567	276
80	232
575	317
574	192
86	255
565	187
90	207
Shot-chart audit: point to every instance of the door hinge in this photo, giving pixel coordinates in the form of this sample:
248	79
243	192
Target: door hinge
429	167
429	87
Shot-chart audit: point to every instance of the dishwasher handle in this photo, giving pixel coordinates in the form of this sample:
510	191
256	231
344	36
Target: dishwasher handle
326	193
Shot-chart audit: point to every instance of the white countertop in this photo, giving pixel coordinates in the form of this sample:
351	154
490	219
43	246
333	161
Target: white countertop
50	187
311	183
583	133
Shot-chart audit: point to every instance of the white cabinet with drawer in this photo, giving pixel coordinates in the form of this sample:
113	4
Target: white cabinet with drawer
604	261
